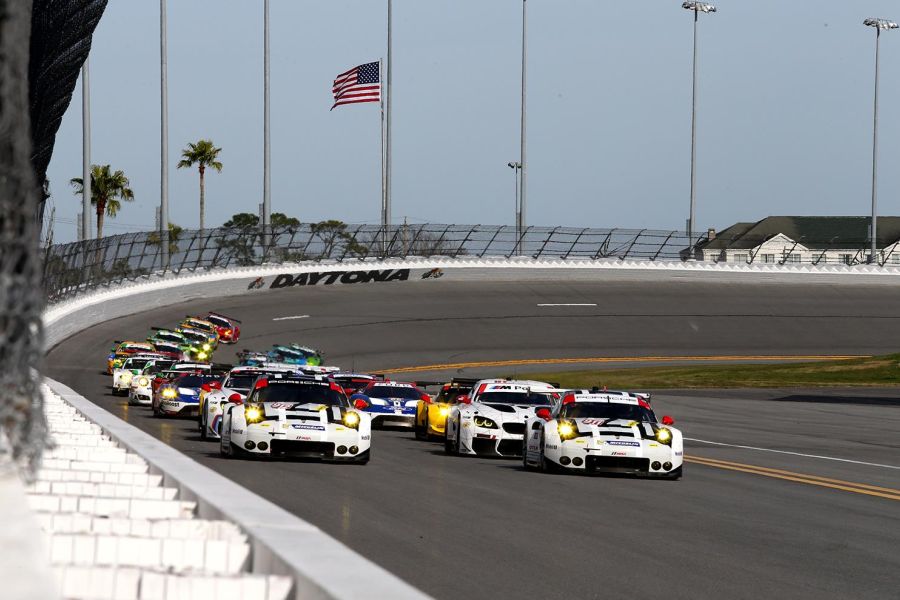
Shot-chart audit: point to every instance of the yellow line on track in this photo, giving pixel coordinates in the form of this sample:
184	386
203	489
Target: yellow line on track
611	359
836	484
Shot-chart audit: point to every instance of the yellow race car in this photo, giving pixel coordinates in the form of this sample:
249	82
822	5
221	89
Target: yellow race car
431	417
122	350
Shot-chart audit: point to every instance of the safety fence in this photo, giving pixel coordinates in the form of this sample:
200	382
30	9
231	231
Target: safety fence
70	269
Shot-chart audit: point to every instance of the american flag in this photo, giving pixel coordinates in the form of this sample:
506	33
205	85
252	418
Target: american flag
359	84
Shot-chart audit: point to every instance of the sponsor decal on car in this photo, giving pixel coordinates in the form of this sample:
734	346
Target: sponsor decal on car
618	443
679	453
345	277
311	427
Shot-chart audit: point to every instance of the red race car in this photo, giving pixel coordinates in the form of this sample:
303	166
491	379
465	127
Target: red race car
228	328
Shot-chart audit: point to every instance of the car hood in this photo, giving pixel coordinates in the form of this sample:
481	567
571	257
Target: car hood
504	412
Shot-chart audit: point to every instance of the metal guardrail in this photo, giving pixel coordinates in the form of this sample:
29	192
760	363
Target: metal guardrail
71	269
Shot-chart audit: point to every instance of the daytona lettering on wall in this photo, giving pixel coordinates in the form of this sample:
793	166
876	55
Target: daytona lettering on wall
343	277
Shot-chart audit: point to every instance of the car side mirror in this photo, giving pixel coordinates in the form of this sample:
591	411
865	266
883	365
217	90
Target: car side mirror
667	420
360	404
206	388
543	413
427	399
235	399
215	385
464	399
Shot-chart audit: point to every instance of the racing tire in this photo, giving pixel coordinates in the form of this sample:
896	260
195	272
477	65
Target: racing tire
448	448
421	431
676	474
456	443
202	421
547	466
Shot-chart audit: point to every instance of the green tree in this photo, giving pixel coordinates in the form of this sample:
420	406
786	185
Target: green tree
108	189
203	154
174	237
282	220
242	221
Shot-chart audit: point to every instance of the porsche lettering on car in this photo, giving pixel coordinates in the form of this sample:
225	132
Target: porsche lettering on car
604	432
492	421
306	416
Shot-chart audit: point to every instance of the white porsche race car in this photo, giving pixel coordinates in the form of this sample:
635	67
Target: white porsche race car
492	421
296	416
131	367
239	381
611	432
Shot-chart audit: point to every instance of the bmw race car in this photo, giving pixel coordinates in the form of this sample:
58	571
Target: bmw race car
305	416
611	432
431	417
294	354
238	381
390	403
180	397
228	328
492	421
122	350
132	366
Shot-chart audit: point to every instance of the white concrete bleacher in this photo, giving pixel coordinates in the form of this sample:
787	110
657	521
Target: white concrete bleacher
113	531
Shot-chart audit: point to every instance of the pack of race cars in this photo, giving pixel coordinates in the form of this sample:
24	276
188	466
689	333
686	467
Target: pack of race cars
285	403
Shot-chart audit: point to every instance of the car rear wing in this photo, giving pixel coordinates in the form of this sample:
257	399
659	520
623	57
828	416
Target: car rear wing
220	315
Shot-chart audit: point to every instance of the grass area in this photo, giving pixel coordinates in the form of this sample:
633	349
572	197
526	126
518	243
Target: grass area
873	371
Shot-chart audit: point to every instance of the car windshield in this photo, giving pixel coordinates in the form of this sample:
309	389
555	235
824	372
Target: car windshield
167	347
136	363
199	325
194	381
196	336
219	321
353	383
169	337
301	393
529	398
240	382
293	353
607	410
157	365
449	395
393	391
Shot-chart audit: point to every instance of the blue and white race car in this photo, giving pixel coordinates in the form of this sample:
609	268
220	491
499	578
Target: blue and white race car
390	403
180	397
604	432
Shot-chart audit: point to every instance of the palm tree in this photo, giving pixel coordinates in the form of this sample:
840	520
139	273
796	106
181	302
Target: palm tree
203	154
107	189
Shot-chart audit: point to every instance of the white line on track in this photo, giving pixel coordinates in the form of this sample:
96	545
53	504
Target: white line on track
570	304
846	460
290	318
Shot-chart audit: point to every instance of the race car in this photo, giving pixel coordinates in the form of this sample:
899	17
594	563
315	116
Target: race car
296	416
161	335
294	354
175	371
141	390
207	327
390	403
249	358
352	382
431	417
131	366
200	346
169	350
593	431
180	396
122	350
228	328
492	421
213	395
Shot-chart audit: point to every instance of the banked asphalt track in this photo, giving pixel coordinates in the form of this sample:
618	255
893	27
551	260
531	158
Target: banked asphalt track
745	522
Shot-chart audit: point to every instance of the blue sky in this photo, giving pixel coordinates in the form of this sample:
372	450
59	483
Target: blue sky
785	111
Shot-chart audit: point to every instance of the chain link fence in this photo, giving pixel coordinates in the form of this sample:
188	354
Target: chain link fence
70	269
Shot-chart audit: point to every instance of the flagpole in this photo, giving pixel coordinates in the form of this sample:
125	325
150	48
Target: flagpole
384	200
386	207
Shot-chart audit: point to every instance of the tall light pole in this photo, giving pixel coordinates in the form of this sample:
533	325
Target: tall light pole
516	167
267	175
879	25
386	200
164	138
85	152
697	8
520	221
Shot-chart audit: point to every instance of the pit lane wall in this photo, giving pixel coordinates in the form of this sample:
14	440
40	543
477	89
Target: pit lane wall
282	543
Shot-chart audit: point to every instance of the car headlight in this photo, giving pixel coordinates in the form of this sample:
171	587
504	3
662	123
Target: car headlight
187	391
206	347
567	430
143	382
202	355
444	411
126	376
485	422
664	435
253	414
169	393
351	419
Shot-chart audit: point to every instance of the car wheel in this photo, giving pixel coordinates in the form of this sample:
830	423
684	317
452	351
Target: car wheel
546	465
525	464
456	442
422	430
676	474
448	445
202	421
